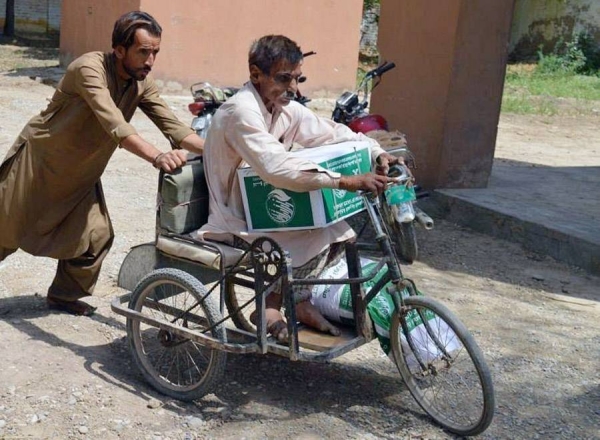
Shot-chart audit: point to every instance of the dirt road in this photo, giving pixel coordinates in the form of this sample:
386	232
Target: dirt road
537	321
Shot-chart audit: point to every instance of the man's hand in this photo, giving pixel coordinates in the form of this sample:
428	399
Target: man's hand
366	182
384	160
171	160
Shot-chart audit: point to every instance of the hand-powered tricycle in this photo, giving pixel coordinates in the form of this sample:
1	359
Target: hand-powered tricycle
180	329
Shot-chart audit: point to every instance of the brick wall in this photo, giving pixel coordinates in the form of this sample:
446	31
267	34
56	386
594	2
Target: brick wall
34	16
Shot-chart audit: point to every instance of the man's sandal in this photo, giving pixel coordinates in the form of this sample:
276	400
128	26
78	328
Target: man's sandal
78	308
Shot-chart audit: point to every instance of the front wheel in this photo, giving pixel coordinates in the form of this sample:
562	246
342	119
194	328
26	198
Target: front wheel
174	364
405	240
402	234
442	366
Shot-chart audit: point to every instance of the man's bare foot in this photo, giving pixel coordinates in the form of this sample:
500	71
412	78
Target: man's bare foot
276	326
308	314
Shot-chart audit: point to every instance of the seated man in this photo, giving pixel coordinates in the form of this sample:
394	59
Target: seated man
258	127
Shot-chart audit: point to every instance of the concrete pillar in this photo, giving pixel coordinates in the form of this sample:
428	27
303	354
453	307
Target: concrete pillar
446	90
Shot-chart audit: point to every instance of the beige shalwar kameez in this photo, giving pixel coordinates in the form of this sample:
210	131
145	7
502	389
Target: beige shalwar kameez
51	200
244	132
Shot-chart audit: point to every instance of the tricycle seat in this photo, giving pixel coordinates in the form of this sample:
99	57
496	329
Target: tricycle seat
210	254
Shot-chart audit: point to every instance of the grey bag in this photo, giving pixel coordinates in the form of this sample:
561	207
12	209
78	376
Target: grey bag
183	199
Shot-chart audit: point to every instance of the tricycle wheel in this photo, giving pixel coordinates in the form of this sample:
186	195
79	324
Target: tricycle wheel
235	298
442	366
176	366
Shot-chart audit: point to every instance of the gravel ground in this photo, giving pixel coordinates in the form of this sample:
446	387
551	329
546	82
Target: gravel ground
62	377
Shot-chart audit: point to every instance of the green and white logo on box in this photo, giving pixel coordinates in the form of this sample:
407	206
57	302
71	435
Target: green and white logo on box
273	208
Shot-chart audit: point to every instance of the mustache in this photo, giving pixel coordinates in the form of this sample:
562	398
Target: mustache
289	95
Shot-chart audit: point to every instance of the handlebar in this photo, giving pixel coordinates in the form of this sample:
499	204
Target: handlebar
380	70
398	172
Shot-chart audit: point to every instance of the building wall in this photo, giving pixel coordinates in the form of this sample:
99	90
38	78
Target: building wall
34	16
544	22
446	92
208	40
535	24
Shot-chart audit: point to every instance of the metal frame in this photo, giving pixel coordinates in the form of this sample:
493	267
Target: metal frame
261	342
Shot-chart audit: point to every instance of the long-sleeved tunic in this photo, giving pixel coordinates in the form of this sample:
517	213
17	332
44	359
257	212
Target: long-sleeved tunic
50	178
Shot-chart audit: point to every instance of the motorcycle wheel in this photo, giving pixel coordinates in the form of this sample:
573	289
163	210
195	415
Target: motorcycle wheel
402	234
405	240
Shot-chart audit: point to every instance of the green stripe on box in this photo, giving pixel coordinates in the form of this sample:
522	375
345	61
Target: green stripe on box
340	203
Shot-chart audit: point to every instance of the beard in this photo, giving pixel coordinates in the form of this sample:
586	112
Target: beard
137	74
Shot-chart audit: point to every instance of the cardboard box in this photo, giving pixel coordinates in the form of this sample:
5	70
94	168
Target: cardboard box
273	209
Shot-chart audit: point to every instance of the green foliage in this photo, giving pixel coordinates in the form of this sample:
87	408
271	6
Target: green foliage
578	56
368	4
566	81
528	92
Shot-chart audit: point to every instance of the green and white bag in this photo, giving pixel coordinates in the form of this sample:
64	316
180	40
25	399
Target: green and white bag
335	303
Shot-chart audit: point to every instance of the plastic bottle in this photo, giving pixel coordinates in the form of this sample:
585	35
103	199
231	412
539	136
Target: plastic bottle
406	212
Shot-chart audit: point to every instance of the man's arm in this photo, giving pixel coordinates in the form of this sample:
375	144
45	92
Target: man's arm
193	143
169	161
90	84
163	117
313	130
247	134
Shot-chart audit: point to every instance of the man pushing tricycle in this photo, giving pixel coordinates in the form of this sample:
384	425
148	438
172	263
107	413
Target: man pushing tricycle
180	333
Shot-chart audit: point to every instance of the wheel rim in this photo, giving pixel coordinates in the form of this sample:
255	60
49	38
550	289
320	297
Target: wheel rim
448	387
176	362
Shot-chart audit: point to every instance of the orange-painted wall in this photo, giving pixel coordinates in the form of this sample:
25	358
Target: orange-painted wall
207	40
446	92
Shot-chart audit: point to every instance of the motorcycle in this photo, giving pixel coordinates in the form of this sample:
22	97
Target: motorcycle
207	99
351	110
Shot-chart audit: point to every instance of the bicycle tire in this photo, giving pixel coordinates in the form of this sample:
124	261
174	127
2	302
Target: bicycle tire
175	366
456	388
234	298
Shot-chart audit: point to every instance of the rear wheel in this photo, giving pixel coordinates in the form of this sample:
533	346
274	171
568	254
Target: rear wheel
442	366
235	299
174	364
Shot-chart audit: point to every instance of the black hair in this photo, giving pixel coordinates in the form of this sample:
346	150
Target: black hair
268	50
126	25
